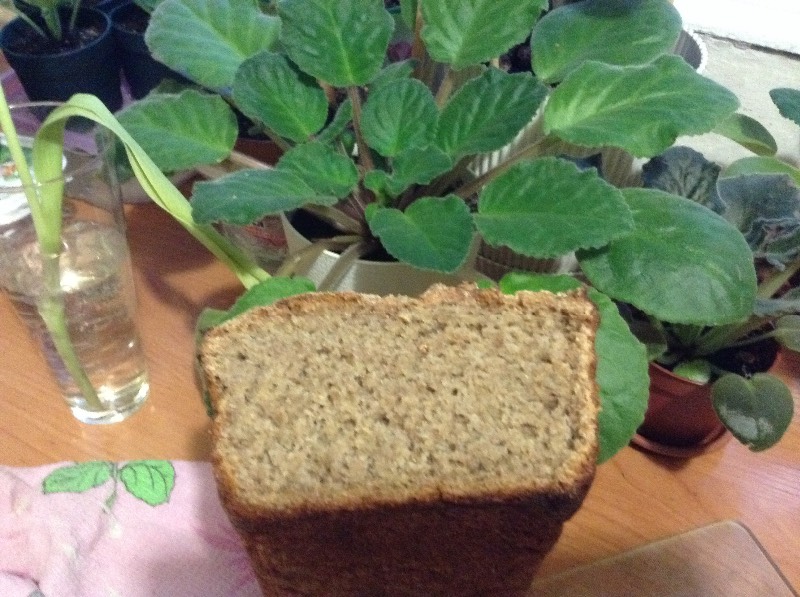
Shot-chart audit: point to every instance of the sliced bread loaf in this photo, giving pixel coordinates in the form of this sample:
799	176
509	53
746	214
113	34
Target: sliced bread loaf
404	446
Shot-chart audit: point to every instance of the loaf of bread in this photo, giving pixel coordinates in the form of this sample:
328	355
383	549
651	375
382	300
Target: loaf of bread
368	445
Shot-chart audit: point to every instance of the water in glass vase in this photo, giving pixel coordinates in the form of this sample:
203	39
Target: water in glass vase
99	302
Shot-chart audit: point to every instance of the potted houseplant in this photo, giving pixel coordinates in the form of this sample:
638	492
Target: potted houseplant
405	182
410	191
716	376
142	72
58	49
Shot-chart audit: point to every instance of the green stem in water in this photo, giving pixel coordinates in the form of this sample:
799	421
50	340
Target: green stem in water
53	312
48	232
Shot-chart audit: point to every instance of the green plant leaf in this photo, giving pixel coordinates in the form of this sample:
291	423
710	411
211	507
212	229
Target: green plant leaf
788	103
77	478
749	133
641	109
339	123
787	331
468	32
322	168
341	42
766	209
269	89
757	410
787	304
514	281
266	293
418	165
396	71
548	207
399	116
685	172
682	263
617	32
246	196
408	11
207	40
49	140
761	165
622	376
697	370
181	131
151	481
433	233
488	111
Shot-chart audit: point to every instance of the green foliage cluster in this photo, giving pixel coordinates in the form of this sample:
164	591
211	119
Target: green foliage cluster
46	16
760	196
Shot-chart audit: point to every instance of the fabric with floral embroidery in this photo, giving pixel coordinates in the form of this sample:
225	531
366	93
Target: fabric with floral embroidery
146	528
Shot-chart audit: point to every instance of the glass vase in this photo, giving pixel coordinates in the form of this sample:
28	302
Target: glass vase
78	304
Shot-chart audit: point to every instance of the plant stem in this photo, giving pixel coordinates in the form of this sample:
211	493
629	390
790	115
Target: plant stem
48	232
771	285
474	186
53	312
728	335
364	156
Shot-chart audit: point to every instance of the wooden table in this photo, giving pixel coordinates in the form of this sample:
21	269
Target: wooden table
636	498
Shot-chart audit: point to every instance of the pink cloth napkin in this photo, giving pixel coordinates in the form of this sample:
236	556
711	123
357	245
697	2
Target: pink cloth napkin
146	528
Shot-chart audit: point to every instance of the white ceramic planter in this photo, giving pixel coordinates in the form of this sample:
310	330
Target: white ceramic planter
373	277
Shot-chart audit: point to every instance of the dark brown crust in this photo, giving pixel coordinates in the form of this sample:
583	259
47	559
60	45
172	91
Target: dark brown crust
423	546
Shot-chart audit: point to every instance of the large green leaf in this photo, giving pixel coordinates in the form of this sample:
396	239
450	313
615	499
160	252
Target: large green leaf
399	116
323	169
757	410
207	40
488	111
788	102
467	32
749	133
180	131
622	375
682	264
246	196
641	109
617	32
433	233
548	207
268	88
761	165
341	42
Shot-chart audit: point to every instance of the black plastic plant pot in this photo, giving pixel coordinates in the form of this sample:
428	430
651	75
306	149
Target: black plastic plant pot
93	68
141	70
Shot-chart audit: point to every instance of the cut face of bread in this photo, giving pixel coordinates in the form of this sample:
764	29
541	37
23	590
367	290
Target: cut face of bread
339	404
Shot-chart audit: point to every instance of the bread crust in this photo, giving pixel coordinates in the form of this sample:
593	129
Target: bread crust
394	544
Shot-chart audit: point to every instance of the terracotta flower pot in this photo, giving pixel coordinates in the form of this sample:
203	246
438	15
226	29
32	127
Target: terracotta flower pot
680	419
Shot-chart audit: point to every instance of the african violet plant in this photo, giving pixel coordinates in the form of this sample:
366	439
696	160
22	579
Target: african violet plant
760	196
314	76
386	150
